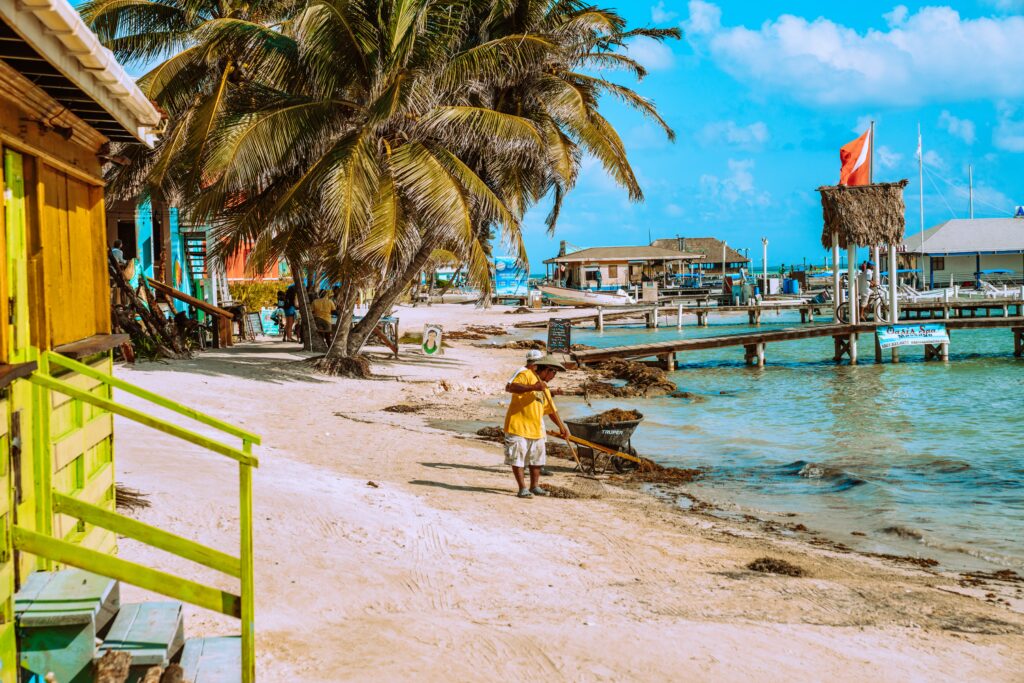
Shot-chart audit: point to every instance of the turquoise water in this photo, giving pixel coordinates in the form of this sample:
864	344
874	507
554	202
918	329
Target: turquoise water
923	458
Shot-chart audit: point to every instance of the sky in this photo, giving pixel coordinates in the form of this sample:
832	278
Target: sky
763	94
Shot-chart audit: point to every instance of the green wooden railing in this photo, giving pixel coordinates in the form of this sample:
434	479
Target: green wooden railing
241	606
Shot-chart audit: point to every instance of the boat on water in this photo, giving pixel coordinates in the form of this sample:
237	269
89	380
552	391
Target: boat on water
586	297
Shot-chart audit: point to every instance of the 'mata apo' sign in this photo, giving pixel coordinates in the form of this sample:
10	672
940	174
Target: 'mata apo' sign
912	335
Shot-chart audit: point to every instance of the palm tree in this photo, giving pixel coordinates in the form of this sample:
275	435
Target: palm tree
428	135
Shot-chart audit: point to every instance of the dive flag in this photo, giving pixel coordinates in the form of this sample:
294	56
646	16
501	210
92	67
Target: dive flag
855	157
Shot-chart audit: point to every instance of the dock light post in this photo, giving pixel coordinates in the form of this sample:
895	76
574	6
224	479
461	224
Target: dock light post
764	266
723	262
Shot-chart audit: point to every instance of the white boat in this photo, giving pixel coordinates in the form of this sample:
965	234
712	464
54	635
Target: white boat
583	297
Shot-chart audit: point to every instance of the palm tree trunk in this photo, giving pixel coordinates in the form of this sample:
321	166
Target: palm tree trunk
385	299
311	341
339	345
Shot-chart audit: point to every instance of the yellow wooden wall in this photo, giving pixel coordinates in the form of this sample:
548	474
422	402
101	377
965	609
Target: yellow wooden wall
71	258
8	655
81	445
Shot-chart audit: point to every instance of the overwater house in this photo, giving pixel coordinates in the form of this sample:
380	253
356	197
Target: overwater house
967	251
613	268
708	251
63	100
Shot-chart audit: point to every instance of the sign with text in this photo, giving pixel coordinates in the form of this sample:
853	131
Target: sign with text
912	335
559	335
1018	212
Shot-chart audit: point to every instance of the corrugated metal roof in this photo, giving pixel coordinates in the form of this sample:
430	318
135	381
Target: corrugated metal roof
969	236
624	254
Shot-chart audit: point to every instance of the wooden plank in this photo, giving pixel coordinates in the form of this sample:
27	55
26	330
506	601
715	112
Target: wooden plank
79	441
151	632
157	538
212	660
63	598
190	300
129	572
90	346
9	373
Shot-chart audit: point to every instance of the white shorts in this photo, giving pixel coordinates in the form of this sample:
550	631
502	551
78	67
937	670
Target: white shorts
523	452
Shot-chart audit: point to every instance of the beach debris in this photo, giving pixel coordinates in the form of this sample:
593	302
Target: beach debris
610	417
689	395
923	562
519	311
580	488
525	344
405	408
492	433
641	380
773	565
373	484
979	578
650	472
130	499
357	367
475	332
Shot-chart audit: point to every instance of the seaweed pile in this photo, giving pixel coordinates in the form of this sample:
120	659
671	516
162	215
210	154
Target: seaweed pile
640	379
610	417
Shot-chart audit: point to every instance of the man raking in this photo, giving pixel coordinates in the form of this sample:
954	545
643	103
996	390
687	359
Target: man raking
524	422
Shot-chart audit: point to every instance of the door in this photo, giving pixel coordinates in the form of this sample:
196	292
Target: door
19	414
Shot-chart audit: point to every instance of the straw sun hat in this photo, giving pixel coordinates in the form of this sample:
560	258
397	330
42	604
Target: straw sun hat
550	362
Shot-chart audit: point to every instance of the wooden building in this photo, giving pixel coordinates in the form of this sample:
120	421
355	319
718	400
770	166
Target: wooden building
962	251
709	252
612	268
63	100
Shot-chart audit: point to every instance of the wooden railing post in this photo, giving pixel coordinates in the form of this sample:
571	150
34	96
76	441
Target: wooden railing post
246	557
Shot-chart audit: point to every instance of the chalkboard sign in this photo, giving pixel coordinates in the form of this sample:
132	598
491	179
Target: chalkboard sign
559	335
253	325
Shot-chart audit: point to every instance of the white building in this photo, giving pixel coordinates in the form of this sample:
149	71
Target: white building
962	251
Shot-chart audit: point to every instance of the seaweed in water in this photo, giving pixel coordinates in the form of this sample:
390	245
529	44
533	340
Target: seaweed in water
773	565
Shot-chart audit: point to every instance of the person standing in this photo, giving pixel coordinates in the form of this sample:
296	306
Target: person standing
290	309
531	400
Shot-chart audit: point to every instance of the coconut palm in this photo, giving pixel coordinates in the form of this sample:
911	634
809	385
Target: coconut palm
404	127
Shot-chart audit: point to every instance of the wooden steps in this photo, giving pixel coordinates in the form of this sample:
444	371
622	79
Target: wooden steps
212	660
59	615
151	632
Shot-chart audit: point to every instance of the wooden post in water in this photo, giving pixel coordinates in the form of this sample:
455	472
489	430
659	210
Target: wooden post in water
851	284
837	297
1018	342
679	316
760	354
654	315
599	321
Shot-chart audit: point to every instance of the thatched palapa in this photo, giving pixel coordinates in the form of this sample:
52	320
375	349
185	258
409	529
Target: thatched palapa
867	215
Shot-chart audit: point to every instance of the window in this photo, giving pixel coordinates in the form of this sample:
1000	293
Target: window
938	263
613	272
592	275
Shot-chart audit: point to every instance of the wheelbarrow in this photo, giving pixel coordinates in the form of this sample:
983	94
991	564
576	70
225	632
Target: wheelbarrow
615	436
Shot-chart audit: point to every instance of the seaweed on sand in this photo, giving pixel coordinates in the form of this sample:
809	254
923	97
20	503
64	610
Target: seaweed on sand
773	565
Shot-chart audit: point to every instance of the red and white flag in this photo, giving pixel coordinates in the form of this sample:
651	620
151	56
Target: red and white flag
856	161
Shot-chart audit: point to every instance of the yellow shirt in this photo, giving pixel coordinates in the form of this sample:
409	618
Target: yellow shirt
322	308
526	411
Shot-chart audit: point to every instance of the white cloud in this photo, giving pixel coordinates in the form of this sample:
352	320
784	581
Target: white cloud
931	54
674	210
736	188
886	158
747	137
934	160
1009	132
654	55
864	122
961	128
1006	5
660	15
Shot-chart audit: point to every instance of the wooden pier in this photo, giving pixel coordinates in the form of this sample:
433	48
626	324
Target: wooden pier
754	344
656	316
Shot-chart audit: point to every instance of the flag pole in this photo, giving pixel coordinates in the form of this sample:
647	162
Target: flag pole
871	154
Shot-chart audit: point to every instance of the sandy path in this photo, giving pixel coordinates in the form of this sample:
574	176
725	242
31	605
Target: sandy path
440	573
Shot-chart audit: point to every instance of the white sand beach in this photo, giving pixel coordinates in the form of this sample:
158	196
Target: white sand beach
389	549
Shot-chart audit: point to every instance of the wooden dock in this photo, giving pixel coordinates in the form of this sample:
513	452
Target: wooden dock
657	316
754	343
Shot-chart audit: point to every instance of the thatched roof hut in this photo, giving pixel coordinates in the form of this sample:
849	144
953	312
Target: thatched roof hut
867	215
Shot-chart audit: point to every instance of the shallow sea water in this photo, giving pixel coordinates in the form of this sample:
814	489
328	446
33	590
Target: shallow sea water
925	459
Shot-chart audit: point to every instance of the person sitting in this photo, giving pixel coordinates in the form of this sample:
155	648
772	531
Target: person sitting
322	308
